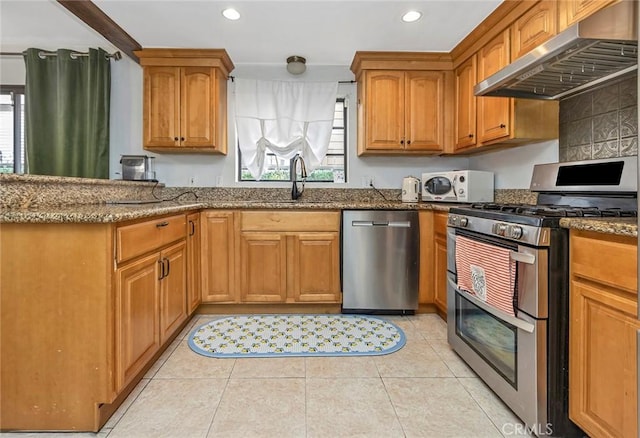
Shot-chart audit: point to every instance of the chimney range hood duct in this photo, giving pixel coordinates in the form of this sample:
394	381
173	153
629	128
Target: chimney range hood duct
598	48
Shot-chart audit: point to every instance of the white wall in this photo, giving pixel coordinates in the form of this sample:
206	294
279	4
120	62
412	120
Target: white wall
512	167
12	70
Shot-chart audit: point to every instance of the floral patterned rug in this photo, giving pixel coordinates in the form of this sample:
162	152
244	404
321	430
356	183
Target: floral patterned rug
296	335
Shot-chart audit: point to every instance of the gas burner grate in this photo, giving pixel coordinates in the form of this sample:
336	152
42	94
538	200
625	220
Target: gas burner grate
550	210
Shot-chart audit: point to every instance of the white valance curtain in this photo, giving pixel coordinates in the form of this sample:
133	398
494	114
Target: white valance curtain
288	118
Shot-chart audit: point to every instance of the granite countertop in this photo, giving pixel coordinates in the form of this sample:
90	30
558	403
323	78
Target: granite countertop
611	225
111	213
107	213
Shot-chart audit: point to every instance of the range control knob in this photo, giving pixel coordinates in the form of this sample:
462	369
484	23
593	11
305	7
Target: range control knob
515	232
499	229
464	221
462	178
461	191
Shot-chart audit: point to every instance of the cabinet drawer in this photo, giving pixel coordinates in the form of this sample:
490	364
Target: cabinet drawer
607	259
137	239
290	221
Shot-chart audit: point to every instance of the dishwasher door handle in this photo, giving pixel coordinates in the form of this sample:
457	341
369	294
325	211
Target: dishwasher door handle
390	224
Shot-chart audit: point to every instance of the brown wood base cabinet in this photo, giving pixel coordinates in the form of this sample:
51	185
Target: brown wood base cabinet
440	262
85	308
602	334
218	249
289	257
194	291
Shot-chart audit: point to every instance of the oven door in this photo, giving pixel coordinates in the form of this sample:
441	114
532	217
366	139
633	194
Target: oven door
508	352
438	187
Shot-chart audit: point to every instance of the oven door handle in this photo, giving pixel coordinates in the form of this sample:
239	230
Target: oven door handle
523	257
524	325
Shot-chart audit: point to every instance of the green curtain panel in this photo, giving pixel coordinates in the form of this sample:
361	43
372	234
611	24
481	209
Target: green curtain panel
67	113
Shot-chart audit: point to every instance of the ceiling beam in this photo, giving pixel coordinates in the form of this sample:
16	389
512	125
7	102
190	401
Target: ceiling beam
95	18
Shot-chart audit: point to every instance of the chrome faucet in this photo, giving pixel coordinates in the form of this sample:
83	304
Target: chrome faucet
296	191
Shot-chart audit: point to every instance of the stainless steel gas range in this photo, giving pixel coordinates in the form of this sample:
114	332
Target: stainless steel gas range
508	285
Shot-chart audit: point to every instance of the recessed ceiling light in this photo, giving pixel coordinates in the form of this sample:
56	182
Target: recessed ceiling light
411	16
231	14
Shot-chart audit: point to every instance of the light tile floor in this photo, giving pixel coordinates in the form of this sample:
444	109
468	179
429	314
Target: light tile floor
423	390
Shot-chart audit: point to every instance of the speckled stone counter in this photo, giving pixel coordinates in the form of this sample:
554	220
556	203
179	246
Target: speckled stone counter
105	213
49	199
619	226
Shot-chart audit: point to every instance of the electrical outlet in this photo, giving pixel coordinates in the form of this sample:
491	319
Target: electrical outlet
219	181
192	181
368	181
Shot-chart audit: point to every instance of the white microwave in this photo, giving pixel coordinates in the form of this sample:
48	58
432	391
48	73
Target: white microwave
458	186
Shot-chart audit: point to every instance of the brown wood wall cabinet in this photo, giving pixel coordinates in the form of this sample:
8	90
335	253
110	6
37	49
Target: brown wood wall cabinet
85	311
402	102
466	104
533	28
602	334
570	12
185	100
490	122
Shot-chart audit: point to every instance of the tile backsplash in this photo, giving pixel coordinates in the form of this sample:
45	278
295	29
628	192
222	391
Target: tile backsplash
600	123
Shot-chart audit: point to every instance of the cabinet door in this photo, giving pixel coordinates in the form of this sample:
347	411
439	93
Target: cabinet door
603	361
572	11
493	112
384	110
263	275
424	110
315	267
218	256
136	314
173	290
533	28
194	296
161	106
440	261
466	104
198	106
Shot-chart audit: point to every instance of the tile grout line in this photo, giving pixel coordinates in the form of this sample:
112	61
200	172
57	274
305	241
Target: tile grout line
215	412
393	406
478	403
130	404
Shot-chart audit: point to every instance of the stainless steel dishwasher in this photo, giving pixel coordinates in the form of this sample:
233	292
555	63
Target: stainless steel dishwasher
380	261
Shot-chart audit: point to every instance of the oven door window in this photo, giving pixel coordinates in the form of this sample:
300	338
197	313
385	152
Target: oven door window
494	340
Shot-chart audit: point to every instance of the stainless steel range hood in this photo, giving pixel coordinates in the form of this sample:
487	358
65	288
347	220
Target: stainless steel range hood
598	48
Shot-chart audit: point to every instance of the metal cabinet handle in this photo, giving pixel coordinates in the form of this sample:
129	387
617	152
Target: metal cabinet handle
521	324
161	262
470	135
502	125
523	257
168	266
401	141
408	141
181	138
192	228
175	138
162	224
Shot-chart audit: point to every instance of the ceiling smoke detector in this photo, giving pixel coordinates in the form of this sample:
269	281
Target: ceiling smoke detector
296	65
